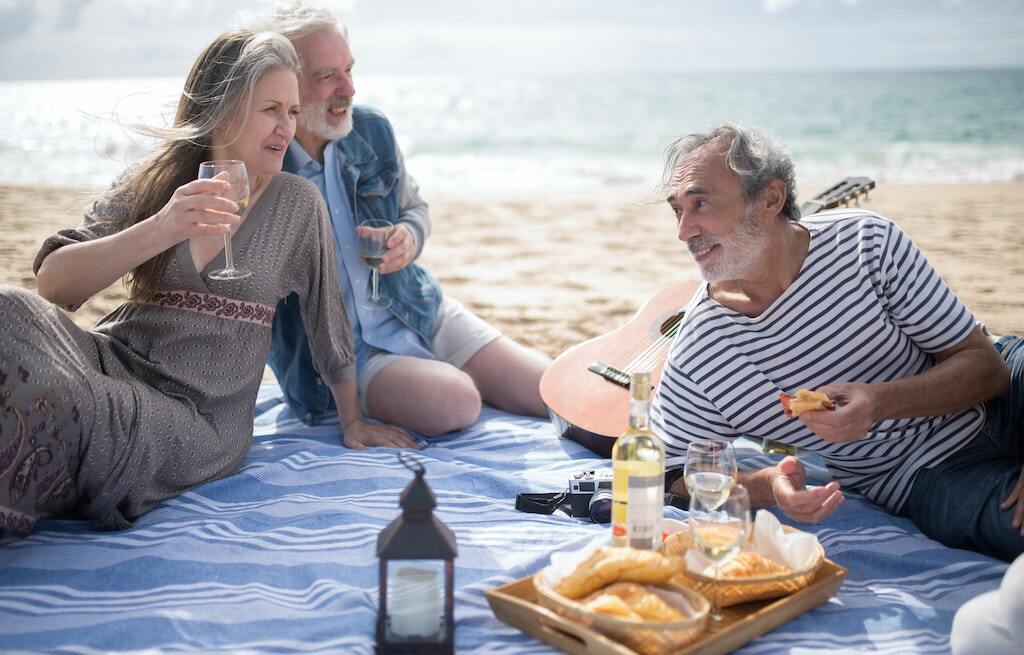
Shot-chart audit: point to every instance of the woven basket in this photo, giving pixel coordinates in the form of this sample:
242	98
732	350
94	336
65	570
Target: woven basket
733	591
647	638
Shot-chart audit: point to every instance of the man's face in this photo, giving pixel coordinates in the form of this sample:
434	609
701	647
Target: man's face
325	85
718	226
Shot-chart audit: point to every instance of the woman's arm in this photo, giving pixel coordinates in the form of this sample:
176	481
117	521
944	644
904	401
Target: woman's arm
355	432
73	273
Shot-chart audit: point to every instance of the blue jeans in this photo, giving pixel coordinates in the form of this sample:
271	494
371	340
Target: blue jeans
957	502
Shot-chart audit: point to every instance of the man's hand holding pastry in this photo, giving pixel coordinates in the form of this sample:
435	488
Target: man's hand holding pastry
853	415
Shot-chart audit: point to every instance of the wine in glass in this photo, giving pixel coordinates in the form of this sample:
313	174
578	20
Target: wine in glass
238	178
372	246
719	533
710	470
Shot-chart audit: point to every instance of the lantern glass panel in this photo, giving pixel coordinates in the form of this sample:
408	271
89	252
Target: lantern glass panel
415	601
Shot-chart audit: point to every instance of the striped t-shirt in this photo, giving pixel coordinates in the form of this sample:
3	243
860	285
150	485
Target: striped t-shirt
865	307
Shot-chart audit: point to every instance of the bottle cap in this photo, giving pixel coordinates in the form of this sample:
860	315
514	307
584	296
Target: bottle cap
640	385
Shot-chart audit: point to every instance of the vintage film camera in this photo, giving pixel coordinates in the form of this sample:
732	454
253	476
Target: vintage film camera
590	496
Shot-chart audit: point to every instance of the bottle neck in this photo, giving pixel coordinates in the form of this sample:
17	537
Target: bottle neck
639	414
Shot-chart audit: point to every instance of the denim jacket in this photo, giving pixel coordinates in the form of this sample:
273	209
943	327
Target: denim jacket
377	187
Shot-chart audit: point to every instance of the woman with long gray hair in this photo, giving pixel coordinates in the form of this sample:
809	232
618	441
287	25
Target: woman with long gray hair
159	396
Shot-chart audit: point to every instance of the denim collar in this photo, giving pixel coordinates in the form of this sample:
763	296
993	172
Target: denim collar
354	147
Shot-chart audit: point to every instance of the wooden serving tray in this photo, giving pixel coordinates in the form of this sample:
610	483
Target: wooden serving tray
516	604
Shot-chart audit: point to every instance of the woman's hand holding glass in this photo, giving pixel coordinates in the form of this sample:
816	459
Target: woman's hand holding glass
197	208
720	529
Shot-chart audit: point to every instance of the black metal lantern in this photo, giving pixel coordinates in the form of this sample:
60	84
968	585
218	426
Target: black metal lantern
417	575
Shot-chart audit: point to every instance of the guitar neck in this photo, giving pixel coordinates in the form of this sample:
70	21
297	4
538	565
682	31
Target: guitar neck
851	188
811	207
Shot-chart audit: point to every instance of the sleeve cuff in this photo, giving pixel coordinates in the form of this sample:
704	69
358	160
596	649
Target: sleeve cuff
337	375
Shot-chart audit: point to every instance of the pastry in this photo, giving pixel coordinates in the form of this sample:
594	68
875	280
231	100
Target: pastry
677	543
805	400
611	564
748	564
632	602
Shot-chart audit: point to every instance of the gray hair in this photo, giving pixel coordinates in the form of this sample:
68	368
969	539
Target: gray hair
218	88
753	156
295	19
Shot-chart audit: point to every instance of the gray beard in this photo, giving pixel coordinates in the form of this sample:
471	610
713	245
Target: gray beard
738	251
315	120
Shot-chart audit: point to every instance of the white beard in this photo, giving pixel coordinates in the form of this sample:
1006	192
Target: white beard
737	252
314	119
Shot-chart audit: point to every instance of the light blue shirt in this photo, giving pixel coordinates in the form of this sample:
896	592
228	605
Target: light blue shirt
373	328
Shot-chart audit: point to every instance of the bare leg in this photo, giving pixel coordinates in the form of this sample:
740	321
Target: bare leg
424	395
508	376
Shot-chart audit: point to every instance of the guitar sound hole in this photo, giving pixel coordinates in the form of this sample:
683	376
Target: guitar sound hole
671	324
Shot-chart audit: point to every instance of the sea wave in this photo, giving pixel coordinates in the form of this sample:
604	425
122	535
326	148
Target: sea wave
461	133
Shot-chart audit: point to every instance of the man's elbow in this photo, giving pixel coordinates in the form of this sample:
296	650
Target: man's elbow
1001	379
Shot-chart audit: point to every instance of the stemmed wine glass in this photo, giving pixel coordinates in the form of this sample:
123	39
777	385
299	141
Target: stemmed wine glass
710	470
720	529
372	247
238	178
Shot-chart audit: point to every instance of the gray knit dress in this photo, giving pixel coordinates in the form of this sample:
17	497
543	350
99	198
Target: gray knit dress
159	397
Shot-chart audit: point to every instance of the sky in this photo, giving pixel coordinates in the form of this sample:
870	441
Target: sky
58	39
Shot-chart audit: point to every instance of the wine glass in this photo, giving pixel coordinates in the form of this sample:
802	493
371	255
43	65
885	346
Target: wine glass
719	533
710	470
372	247
238	178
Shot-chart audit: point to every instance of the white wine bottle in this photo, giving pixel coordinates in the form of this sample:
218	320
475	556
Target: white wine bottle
638	474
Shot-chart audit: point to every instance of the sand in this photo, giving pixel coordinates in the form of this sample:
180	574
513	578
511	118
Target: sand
554	271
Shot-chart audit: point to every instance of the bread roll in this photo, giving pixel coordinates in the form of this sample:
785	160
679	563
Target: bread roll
610	564
631	602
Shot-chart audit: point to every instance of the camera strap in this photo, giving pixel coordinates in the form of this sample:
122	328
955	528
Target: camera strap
539	503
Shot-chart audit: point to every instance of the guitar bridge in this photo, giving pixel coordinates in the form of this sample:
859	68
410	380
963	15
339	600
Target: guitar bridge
610	373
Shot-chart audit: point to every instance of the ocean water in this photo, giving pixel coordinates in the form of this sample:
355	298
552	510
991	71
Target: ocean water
554	134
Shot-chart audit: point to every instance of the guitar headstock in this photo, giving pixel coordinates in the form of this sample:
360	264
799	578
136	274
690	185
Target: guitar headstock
850	188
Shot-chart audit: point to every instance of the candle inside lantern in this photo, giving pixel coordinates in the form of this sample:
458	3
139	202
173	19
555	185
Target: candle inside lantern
414	608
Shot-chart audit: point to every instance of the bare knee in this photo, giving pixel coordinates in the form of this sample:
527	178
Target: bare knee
456	407
431	398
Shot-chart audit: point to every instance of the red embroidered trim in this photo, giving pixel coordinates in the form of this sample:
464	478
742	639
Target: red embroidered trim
207	303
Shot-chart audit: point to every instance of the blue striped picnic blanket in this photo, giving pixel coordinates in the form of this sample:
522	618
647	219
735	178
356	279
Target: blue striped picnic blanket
281	558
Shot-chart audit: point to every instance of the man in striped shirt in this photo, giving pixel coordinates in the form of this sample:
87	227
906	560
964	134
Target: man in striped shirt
843	303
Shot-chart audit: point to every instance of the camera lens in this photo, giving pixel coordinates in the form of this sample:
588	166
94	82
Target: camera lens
601	506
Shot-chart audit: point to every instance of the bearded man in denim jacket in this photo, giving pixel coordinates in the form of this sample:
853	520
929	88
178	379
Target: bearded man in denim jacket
425	362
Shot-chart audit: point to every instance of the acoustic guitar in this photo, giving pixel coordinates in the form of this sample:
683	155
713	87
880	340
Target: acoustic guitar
586	388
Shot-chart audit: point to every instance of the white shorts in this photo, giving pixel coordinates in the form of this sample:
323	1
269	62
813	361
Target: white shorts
458	334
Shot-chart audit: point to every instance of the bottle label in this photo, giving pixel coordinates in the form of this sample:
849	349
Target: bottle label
645	508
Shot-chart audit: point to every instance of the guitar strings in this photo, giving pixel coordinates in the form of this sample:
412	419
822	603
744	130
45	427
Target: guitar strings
646	358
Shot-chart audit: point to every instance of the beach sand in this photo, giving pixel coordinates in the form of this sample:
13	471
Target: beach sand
551	271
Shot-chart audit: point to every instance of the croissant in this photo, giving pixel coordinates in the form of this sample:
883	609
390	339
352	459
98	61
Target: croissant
749	564
632	602
805	400
610	564
677	543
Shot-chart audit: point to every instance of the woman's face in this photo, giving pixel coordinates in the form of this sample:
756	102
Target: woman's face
260	135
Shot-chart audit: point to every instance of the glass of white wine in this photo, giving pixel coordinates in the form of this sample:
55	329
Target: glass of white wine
238	178
719	533
372	247
710	470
